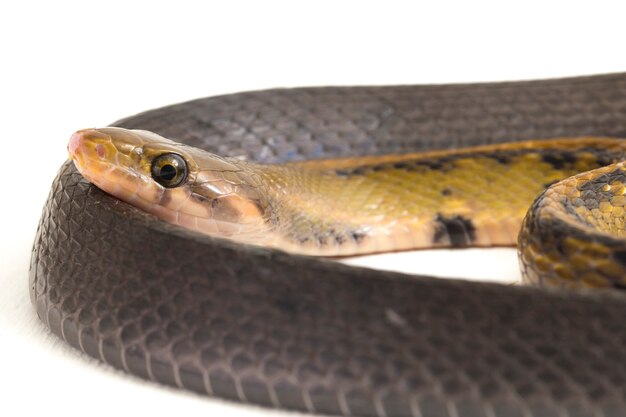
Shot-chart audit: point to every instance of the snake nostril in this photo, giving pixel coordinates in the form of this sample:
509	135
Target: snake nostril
100	151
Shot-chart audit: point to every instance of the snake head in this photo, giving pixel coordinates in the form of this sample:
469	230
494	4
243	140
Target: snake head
177	183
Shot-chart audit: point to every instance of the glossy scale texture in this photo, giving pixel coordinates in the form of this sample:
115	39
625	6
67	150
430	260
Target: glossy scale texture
287	331
574	232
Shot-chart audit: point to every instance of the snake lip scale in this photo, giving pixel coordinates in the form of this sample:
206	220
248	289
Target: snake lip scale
282	330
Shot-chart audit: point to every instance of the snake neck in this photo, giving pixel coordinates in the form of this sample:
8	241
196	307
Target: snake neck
461	198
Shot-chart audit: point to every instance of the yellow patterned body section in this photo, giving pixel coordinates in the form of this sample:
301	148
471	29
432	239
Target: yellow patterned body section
574	234
469	197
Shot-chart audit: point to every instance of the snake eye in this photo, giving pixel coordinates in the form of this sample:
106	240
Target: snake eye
169	170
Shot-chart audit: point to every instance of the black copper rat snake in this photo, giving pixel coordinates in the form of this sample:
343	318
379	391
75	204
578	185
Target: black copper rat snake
265	327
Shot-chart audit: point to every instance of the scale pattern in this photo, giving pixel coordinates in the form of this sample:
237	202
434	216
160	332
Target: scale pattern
273	329
574	232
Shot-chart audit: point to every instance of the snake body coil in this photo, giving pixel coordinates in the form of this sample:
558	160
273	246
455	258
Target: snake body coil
281	330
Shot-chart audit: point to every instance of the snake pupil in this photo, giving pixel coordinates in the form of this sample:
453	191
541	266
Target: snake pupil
169	170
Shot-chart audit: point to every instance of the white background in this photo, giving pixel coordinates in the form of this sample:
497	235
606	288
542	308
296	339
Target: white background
65	66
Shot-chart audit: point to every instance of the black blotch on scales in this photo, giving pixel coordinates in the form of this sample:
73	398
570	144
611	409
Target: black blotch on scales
459	230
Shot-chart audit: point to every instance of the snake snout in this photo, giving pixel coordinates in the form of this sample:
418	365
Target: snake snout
75	143
89	144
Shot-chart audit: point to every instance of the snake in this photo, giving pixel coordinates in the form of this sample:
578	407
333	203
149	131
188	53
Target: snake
193	246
